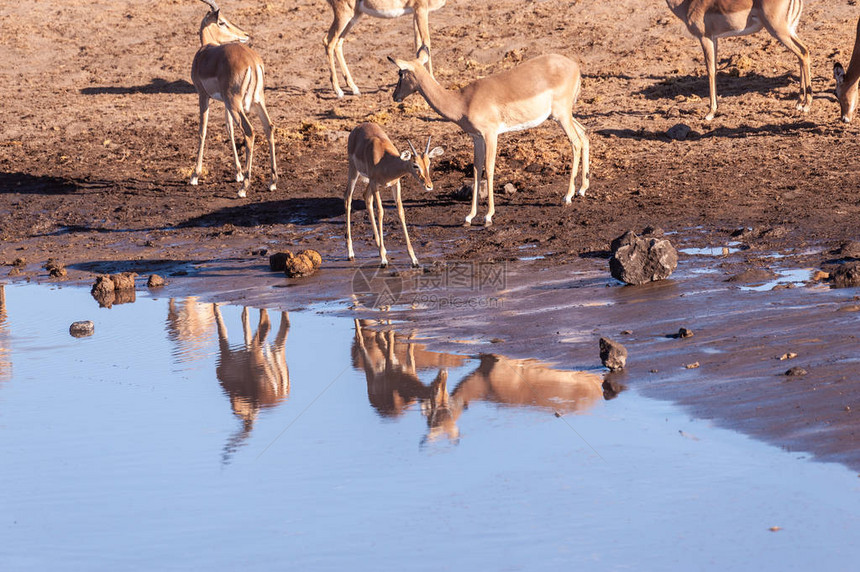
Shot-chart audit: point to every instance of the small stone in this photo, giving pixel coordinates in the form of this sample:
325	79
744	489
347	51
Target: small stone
775	528
155	281
612	354
846	276
497	341
678	132
626	332
820	275
796	371
82	329
510	189
788	355
694	365
636	260
685	333
123	281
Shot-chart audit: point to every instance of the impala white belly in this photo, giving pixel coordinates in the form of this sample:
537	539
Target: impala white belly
737	24
505	128
377	13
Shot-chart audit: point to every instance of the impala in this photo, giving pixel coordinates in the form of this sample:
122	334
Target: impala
519	98
709	20
347	13
372	156
846	82
226	70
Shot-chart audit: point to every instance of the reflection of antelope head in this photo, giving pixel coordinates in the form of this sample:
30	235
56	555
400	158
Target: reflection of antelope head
254	375
391	368
525	382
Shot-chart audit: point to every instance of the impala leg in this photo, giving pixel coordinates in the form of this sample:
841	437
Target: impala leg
795	46
373	194
422	34
709	47
566	122
402	215
490	150
246	326
223	341
228	119
347	203
344	20
270	137
585	145
478	167
249	150
370	201
204	120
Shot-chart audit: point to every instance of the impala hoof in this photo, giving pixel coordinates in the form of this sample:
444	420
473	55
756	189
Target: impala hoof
273	187
710	116
488	222
243	193
193	181
240	177
415	264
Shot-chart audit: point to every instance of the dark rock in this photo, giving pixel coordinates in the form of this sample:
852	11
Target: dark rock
612	354
123	281
685	333
636	260
678	132
19	262
155	281
82	329
796	371
299	266
846	275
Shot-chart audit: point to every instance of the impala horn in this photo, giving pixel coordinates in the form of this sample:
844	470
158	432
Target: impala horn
427	150
212	5
414	152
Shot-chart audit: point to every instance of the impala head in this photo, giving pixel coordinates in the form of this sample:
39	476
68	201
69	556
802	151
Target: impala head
408	84
216	29
845	93
421	163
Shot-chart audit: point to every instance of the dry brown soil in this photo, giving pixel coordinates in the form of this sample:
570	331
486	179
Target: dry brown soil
99	133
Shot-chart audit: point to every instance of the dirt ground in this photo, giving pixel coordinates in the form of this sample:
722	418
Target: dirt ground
99	134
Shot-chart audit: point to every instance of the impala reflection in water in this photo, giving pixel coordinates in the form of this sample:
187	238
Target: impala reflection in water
254	374
5	360
391	366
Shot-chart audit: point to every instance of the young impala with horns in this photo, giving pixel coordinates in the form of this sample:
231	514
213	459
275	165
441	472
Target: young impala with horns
519	98
710	20
227	70
373	157
346	14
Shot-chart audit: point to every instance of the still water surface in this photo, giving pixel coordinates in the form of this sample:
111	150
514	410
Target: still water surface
173	440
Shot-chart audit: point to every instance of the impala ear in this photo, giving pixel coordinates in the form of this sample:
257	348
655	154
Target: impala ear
406	155
435	152
838	73
399	63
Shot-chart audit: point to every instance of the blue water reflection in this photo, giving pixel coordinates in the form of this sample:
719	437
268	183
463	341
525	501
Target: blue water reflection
188	444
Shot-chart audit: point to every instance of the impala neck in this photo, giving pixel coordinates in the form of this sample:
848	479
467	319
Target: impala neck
447	103
852	74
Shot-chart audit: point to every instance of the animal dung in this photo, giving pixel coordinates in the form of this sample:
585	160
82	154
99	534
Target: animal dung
82	329
55	268
155	281
114	289
278	261
305	263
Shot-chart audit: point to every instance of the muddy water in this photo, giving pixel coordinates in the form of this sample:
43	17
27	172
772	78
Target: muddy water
183	436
